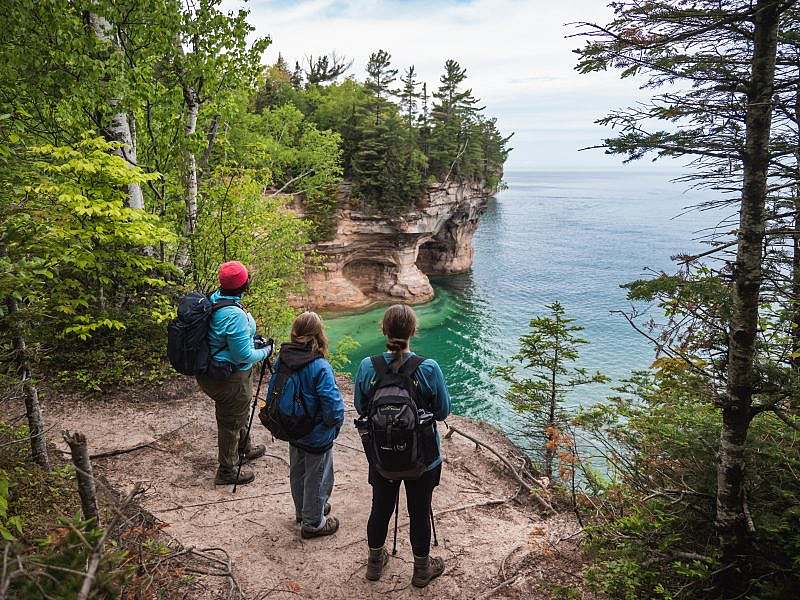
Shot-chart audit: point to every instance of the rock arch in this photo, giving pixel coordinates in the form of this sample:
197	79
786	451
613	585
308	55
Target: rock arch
376	259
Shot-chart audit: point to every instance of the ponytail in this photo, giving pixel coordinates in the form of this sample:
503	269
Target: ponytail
399	325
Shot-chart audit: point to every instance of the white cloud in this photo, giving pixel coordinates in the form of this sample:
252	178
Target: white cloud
517	58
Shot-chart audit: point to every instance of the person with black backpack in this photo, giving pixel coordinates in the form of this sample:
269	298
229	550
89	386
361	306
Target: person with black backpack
399	396
304	407
233	349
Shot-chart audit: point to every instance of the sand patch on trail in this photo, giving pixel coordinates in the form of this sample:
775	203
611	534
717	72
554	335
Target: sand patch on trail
481	545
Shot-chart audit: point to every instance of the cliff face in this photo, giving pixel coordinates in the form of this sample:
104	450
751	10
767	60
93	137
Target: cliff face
373	258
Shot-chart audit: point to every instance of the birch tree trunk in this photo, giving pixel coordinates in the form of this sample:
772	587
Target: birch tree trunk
731	520
192	109
119	129
192	100
33	409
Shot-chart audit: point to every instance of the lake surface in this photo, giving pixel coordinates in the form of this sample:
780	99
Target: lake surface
573	237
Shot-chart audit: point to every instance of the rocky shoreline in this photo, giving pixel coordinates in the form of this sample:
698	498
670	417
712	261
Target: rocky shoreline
373	258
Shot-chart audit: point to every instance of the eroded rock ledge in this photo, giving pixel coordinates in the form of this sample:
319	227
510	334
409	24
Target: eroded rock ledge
376	259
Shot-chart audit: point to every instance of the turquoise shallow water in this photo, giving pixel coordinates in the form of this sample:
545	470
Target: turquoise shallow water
567	236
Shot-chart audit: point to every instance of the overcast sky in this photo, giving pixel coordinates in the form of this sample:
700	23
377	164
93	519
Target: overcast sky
517	58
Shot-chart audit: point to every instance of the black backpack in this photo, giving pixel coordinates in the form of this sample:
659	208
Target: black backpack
187	336
398	433
285	412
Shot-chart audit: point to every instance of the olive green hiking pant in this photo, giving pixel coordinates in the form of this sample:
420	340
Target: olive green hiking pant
232	399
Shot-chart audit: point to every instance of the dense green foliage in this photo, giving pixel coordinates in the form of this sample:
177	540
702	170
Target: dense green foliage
103	104
651	522
397	141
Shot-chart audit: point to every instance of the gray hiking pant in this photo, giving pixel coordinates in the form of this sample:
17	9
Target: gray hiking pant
311	478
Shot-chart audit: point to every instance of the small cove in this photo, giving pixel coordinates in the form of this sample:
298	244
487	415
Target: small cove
574	237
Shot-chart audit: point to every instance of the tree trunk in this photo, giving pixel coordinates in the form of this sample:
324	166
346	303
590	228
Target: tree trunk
33	409
795	302
83	472
192	101
211	137
192	109
549	453
183	258
119	129
731	521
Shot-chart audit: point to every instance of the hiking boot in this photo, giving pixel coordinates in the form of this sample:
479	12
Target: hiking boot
426	569
255	452
331	526
227	476
378	557
325	511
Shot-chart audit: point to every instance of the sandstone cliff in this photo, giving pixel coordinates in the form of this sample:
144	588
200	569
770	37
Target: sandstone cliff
373	258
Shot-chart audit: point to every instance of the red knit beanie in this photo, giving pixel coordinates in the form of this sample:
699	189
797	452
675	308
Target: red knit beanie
232	275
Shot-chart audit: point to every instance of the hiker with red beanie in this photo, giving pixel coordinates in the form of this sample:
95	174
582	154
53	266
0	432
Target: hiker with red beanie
234	350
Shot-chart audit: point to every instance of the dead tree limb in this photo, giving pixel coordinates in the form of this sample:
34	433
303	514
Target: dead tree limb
543	504
497	588
226	500
110	453
83	472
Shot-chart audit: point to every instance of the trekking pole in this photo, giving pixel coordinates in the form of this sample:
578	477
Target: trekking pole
396	510
433	527
266	364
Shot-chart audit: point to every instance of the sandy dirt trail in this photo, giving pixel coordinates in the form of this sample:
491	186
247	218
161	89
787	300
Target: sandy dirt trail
257	527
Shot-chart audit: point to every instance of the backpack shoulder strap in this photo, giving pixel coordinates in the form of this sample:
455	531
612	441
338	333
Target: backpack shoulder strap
411	365
408	371
225	302
379	364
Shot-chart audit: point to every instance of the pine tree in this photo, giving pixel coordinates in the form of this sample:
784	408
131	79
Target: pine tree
453	112
326	69
547	356
380	77
409	95
297	76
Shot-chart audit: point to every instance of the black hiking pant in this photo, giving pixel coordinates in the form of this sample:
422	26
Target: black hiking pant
419	493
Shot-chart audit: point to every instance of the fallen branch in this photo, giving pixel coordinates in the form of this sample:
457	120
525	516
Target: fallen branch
182	506
110	453
497	588
436	515
485	503
278	457
505	559
543	504
226	570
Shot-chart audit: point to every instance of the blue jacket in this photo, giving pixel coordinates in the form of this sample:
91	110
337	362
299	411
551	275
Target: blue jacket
322	397
431	380
230	335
